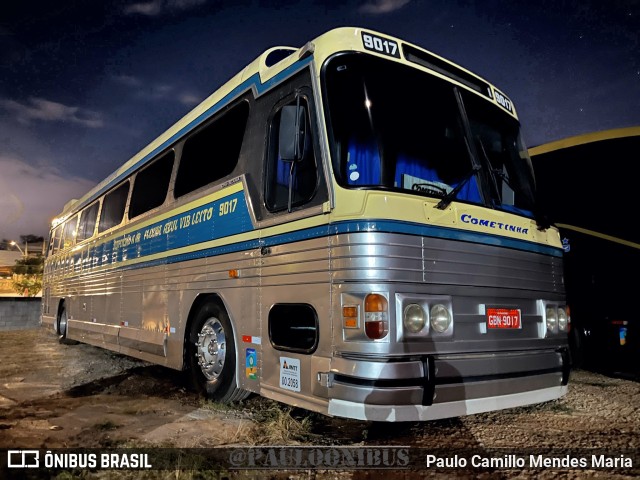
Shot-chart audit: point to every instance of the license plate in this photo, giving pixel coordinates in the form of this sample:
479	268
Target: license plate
503	318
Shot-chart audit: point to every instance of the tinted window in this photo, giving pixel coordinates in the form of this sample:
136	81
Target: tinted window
395	127
408	137
151	185
212	152
499	145
113	207
69	238
87	222
55	239
302	175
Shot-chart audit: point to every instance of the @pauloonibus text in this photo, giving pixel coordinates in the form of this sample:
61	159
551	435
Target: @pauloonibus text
304	458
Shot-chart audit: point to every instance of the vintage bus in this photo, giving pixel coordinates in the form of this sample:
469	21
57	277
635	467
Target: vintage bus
601	240
346	227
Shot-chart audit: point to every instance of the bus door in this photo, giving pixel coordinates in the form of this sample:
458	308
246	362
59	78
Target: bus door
294	264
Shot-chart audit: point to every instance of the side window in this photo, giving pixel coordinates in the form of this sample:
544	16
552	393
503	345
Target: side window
212	152
87	223
113	207
56	234
69	236
302	174
151	185
293	327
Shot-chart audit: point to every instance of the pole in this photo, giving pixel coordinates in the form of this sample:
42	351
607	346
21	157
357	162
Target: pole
14	244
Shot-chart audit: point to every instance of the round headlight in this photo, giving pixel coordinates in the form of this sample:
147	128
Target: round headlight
440	318
562	319
552	319
415	318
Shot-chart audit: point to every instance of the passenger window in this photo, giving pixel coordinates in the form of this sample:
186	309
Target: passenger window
69	238
113	207
151	185
87	223
55	240
293	327
212	152
303	174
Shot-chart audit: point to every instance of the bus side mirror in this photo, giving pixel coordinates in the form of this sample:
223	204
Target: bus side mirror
292	139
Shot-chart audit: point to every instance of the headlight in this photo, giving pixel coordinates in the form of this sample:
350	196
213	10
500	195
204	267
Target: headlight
415	318
562	319
440	318
552	319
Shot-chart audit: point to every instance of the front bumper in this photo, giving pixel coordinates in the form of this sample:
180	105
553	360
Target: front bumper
440	386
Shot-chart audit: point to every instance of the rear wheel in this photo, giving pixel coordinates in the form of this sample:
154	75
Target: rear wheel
62	322
211	355
61	326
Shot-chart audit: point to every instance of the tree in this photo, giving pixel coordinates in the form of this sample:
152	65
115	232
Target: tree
27	275
31	238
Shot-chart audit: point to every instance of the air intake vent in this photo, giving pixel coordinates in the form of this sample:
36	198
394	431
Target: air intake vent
277	55
438	65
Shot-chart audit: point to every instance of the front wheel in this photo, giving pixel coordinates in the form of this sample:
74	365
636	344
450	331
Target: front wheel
211	355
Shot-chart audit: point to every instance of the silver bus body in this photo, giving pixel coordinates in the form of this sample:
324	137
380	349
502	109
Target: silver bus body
294	281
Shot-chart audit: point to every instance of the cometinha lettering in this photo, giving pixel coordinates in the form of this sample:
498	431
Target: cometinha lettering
466	218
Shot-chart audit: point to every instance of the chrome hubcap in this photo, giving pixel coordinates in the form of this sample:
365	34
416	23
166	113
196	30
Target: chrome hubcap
211	348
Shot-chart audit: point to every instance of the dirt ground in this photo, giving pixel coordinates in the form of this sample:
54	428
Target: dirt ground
54	396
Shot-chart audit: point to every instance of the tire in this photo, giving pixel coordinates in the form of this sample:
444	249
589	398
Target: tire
61	322
60	326
56	322
211	355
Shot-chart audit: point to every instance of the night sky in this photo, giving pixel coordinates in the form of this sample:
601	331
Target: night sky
84	85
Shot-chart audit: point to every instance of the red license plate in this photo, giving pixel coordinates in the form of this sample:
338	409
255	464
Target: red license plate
503	318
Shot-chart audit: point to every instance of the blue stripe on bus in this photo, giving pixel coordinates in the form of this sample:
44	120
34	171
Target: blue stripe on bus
383	226
253	80
394	226
147	241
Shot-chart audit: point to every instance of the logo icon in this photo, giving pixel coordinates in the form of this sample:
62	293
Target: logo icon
23	458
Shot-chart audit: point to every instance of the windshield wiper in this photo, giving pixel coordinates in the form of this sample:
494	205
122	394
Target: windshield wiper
450	197
502	176
542	220
492	171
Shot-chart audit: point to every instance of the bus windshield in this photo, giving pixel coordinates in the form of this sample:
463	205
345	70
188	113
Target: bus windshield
395	127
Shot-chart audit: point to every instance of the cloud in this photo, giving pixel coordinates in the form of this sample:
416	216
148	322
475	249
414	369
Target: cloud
379	7
158	7
39	109
154	92
158	91
189	99
127	80
142	89
147	8
31	196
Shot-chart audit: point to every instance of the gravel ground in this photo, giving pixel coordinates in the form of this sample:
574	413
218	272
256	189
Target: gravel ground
54	396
